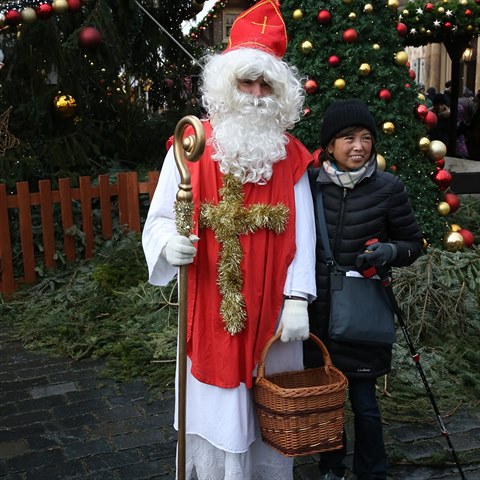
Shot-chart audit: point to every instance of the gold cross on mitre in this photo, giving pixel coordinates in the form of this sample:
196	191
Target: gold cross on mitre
264	25
7	140
229	219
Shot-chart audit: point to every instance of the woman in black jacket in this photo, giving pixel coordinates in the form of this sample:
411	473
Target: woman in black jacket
360	203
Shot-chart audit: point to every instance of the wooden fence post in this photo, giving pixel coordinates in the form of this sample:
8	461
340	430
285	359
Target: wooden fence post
6	262
67	218
26	234
87	221
105	205
46	206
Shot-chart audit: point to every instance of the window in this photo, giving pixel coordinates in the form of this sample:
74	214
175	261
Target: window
229	17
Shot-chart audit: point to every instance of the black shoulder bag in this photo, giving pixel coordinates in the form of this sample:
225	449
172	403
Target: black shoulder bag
360	309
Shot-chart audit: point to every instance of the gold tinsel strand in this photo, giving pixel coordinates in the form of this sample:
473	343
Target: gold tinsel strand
183	217
229	219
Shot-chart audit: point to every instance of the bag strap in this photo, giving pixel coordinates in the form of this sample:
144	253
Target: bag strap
323	228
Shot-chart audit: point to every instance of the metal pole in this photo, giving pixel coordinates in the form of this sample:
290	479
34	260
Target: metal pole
190	148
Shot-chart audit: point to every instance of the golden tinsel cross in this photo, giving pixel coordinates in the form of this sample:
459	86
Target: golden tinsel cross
7	140
229	219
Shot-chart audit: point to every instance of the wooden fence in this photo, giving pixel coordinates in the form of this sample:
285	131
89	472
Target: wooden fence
125	194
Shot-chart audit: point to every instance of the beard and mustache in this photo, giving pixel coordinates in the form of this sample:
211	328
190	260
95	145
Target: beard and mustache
250	139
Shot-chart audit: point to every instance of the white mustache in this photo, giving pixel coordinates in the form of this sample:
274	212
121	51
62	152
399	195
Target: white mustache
247	100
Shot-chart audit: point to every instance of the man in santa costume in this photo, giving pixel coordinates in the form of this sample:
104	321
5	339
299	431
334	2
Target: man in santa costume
251	255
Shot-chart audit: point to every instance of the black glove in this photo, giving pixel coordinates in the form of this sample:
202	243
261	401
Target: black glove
377	255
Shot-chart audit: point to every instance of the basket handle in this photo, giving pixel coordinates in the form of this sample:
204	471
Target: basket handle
261	362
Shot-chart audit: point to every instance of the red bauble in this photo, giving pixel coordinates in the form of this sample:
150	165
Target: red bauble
442	179
44	11
453	200
350	35
324	17
412	74
407	85
429	7
468	238
447	26
440	163
74	5
310	86
333	61
384	95
306	112
421	110
13	17
431	120
402	29
89	38
468	12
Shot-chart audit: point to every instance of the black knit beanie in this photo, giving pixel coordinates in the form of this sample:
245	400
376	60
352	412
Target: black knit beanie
345	113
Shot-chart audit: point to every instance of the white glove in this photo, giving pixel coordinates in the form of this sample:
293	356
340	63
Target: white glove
294	320
179	250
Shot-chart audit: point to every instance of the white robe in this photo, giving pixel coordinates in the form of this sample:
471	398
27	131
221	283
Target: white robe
223	441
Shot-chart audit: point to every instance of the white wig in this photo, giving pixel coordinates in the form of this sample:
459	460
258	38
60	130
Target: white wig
222	72
249	132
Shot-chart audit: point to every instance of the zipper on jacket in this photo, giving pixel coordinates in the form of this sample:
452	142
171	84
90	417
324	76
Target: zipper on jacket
340	221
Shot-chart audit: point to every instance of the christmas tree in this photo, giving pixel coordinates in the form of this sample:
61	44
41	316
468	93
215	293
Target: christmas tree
94	86
347	49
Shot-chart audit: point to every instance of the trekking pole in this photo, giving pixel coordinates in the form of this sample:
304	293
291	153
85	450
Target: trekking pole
387	283
190	148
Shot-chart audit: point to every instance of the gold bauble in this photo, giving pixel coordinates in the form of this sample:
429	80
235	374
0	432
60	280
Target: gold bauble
437	150
352	15
463	2
297	14
401	58
365	69
368	8
339	84
376	46
441	10
381	162
424	144
60	6
453	241
421	97
455	228
28	15
306	47
443	209
65	105
393	4
388	128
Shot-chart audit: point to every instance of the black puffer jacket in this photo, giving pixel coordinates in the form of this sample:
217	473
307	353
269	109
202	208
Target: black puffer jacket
378	207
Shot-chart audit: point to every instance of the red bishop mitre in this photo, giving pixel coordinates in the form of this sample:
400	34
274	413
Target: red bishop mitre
261	27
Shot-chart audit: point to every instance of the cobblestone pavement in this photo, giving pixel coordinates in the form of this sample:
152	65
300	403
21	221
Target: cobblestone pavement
59	419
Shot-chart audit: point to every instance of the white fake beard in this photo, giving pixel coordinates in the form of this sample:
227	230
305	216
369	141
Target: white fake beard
250	140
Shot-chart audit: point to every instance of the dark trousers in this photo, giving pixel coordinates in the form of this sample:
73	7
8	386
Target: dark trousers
369	456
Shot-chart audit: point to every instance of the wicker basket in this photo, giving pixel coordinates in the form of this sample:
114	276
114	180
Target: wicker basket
301	412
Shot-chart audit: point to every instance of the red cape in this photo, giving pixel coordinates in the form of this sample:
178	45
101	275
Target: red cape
219	358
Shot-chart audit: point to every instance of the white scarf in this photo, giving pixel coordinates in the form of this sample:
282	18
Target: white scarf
347	179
